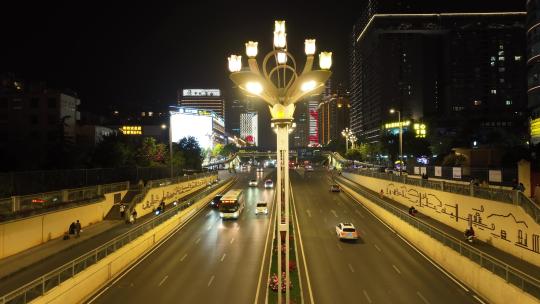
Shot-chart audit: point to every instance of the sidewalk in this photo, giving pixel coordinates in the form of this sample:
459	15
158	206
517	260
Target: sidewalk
23	260
519	264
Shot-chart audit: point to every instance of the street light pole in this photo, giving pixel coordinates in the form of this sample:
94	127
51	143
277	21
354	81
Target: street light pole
400	140
281	86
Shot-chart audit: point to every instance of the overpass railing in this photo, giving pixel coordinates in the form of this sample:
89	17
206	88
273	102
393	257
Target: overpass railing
24	205
510	274
45	283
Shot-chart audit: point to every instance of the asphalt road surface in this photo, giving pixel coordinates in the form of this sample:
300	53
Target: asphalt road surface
207	261
378	268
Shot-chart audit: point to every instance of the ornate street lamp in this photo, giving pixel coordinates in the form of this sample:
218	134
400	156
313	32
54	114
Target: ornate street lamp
280	85
348	134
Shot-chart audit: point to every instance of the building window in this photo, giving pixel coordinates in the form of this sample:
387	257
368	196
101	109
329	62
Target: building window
51	103
477	102
501	58
493	92
492	58
458	108
501	53
34	102
517	58
508	102
492	64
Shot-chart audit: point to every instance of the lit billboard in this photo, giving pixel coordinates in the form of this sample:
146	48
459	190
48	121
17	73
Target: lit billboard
187	124
201	92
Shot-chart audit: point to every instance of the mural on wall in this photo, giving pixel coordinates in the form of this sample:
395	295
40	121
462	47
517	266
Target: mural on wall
154	200
481	218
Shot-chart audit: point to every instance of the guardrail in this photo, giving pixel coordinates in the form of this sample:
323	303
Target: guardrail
49	200
512	275
45	283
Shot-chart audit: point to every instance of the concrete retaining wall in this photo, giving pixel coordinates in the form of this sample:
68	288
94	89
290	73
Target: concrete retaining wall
504	226
170	193
22	234
482	281
83	285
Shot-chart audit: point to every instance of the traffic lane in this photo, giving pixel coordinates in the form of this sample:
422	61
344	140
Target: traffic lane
59	259
206	261
401	258
398	272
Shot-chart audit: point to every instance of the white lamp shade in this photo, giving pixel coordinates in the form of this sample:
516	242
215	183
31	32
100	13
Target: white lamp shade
282	57
279	26
251	49
325	60
308	85
235	63
309	46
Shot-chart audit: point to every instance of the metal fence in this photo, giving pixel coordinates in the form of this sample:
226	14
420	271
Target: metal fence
26	205
22	183
510	274
45	283
508	175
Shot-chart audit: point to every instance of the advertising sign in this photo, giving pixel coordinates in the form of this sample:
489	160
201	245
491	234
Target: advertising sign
417	170
423	170
438	171
495	176
456	172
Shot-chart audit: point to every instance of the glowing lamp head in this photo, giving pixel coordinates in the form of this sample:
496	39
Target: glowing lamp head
235	63
280	37
392	111
282	57
254	87
309	46
325	60
308	85
251	49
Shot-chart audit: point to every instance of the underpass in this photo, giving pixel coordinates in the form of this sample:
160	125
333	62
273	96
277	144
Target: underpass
379	268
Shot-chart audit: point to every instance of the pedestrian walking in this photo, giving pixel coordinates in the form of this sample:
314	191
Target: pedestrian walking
72	228
78	228
122	210
134	214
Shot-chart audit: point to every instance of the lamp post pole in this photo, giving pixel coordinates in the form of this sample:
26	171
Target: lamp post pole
281	86
392	111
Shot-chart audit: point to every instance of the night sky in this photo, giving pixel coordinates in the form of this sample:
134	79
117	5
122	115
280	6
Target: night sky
135	56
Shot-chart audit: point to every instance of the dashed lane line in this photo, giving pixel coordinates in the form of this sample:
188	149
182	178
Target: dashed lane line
377	247
223	257
163	280
367	296
351	268
232	240
211	280
197	241
183	258
396	269
422	297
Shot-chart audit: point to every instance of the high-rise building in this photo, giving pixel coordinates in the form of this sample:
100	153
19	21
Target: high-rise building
333	115
455	71
313	133
533	67
234	108
249	127
300	135
202	99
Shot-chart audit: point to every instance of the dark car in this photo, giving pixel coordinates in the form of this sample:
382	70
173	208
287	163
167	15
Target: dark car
214	203
335	188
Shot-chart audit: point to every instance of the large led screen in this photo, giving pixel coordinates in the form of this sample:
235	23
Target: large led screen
184	125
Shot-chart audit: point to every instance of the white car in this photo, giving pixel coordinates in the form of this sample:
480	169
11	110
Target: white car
260	169
262	208
309	168
253	183
346	231
268	184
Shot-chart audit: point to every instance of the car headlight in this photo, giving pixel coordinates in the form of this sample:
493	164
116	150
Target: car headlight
236	214
221	214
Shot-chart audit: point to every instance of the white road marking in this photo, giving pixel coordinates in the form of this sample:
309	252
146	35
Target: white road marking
334	212
232	240
351	268
183	258
163	280
308	213
359	213
396	269
422	297
209	227
367	296
478	299
410	245
339	246
377	247
223	257
209	212
211	280
197	241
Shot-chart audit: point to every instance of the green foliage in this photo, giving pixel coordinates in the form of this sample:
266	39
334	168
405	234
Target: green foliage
217	150
114	151
151	153
190	149
228	149
355	154
454	160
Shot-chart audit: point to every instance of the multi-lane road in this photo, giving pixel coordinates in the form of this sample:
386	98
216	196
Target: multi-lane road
215	261
207	261
378	268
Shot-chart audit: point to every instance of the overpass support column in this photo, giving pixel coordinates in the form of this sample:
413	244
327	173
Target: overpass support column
15	203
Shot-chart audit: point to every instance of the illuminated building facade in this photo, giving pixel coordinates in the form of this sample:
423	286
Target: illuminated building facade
207	127
451	71
249	130
202	99
334	115
533	67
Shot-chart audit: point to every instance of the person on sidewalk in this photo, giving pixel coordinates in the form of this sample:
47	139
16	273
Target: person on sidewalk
122	210
72	228
134	214
78	228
